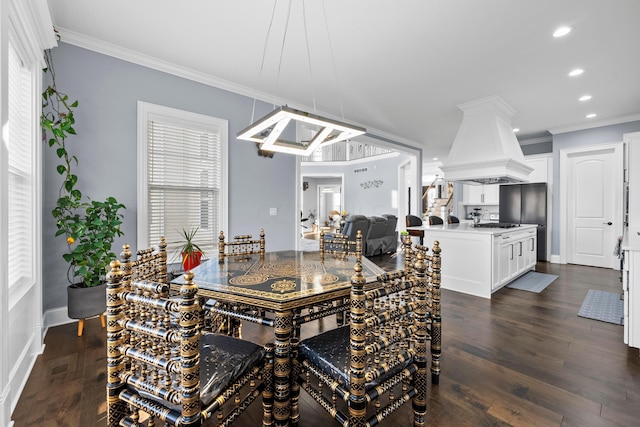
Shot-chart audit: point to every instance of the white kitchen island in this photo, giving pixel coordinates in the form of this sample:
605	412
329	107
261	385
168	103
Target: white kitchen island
479	261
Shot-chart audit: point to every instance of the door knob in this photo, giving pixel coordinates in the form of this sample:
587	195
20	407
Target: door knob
608	223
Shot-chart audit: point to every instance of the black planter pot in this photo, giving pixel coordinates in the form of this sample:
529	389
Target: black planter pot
83	303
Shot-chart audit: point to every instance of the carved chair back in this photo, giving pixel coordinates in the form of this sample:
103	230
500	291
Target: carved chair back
241	245
339	245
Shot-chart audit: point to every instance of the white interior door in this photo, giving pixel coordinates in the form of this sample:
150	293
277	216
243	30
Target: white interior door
591	212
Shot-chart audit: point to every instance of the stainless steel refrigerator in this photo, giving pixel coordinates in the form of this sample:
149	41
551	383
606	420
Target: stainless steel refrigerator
526	204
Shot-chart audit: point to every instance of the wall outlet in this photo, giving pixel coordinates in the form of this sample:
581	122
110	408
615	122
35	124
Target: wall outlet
273	211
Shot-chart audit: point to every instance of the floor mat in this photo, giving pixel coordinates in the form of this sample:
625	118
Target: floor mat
532	281
603	306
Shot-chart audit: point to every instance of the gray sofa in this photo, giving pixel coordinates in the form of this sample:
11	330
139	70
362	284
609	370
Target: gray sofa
379	234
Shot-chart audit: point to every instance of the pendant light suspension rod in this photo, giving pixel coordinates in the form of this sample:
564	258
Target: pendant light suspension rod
306	39
333	60
264	54
268	131
284	40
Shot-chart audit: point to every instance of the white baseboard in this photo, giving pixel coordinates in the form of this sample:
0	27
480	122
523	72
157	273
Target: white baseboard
20	375
55	317
5	408
555	259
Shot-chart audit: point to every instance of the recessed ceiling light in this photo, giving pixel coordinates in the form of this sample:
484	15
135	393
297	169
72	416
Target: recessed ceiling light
516	129
584	98
591	115
576	72
561	31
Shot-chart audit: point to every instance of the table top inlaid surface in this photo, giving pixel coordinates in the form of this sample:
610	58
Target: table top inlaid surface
279	279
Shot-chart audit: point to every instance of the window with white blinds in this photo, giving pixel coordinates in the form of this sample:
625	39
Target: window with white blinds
21	162
184	176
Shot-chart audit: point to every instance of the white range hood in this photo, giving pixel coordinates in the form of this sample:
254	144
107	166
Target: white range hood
486	150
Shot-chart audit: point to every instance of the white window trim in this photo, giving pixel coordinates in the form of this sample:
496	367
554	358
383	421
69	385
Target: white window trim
30	279
28	25
146	109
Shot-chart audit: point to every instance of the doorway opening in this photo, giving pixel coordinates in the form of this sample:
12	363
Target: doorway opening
322	201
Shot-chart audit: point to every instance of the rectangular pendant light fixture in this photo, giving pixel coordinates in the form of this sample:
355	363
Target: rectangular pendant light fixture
267	131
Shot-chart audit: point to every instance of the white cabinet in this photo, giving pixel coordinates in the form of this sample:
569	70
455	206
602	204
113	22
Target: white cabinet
473	259
632	140
530	250
541	168
631	287
481	194
506	261
631	245
516	255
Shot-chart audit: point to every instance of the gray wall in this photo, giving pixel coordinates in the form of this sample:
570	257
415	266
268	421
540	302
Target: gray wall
365	199
358	197
108	90
596	136
539	148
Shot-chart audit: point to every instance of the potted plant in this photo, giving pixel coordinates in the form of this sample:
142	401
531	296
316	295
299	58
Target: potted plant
405	238
189	251
89	226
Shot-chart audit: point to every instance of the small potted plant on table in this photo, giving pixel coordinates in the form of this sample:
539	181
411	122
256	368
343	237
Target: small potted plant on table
189	251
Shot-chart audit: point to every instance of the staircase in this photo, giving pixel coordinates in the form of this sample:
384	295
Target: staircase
435	205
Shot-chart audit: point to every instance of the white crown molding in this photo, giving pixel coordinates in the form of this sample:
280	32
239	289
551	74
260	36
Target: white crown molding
584	126
115	51
109	49
31	30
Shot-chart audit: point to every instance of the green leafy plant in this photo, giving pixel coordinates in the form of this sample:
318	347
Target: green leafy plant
89	226
404	233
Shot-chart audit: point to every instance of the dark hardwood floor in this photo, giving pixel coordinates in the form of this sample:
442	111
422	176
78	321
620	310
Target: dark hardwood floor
520	359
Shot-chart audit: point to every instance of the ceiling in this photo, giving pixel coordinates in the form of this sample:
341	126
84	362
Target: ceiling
398	68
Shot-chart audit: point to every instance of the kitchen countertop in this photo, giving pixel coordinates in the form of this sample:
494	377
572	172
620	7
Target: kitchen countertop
469	228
